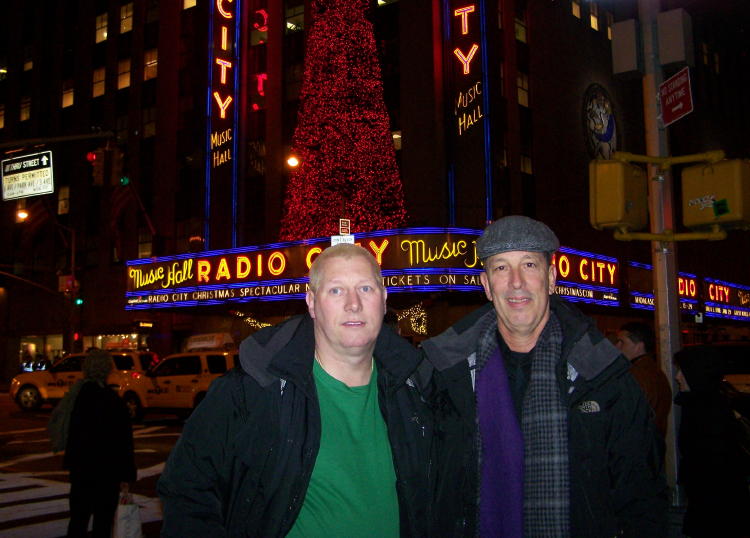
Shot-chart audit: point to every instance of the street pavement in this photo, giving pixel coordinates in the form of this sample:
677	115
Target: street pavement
34	487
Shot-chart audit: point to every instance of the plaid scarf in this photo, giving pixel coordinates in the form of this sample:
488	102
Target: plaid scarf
544	424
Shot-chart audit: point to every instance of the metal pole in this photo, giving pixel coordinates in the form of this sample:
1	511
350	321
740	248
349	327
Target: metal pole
662	219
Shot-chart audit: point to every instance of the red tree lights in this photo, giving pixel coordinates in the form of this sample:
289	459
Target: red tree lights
347	165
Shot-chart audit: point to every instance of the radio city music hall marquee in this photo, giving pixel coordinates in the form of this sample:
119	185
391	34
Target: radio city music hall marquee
412	260
416	260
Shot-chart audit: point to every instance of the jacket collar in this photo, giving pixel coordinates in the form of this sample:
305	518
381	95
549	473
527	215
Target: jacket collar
286	351
584	347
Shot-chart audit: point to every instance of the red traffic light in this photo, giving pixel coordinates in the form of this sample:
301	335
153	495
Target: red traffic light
91	156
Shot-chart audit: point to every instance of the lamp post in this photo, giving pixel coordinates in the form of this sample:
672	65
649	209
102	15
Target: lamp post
21	216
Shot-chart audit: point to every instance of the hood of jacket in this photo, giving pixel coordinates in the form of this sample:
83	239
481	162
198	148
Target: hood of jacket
286	351
584	347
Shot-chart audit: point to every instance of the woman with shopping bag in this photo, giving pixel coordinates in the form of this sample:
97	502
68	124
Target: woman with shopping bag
92	425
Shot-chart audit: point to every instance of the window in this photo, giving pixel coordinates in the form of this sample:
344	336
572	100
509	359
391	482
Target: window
2	116
149	64
187	365
716	62
575	8
71	364
523	89
97	82
396	135
100	33
123	362
526	165
217	364
145	242
610	22
502	79
67	94
123	74
28	65
63	200
149	122
126	18
594	15
521	30
25	113
294	19
704	53
187	4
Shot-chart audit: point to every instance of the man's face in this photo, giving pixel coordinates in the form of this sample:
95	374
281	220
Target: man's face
630	349
519	285
347	308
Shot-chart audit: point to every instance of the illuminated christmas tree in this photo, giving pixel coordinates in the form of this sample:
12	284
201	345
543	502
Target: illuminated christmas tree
347	162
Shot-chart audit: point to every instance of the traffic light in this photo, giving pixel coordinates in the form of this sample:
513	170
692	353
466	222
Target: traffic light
118	175
618	195
96	159
717	193
78	301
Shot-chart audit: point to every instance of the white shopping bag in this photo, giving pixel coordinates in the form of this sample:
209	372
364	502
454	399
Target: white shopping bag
127	519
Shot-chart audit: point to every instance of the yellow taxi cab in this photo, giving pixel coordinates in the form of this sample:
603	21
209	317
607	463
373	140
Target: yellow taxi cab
31	390
179	381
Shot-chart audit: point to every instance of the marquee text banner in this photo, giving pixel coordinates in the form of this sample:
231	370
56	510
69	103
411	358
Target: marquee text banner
412	260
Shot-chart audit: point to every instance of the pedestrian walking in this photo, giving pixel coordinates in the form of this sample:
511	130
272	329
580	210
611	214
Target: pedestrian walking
92	426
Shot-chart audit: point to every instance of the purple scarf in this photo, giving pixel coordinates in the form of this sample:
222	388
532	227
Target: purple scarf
501	476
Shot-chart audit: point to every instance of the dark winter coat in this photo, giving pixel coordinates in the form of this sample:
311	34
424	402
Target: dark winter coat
100	438
617	482
243	463
711	463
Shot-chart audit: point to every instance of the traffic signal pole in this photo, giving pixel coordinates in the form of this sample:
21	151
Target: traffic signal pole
661	209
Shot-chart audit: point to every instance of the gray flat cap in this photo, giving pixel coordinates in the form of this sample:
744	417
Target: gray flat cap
516	232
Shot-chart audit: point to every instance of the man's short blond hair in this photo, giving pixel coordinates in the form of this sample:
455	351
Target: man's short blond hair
345	251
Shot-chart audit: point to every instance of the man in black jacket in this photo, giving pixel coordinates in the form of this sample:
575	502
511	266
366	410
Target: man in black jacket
319	432
540	428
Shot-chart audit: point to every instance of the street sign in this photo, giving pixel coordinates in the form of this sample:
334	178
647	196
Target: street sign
675	97
27	175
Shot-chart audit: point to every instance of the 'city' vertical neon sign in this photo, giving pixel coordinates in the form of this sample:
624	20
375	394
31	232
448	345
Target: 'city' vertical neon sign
222	116
470	167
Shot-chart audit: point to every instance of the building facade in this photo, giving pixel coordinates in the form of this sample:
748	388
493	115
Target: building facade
188	109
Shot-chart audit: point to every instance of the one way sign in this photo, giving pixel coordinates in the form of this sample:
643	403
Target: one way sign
27	175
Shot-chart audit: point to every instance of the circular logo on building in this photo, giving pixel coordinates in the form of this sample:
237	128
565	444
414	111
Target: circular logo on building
599	126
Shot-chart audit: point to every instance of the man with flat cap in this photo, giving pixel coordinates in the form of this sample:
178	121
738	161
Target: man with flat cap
541	430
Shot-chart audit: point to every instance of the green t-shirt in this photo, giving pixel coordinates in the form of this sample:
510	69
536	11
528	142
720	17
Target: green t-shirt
352	490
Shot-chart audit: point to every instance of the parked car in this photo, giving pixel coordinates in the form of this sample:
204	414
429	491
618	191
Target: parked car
31	390
178	382
736	357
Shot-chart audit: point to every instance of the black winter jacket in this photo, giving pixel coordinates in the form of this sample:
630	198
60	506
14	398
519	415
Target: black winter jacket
243	463
617	482
100	437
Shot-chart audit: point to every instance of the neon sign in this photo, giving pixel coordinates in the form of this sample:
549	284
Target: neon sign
223	85
726	300
416	259
468	108
587	277
641	288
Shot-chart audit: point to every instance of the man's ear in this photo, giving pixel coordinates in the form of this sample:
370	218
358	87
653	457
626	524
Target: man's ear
484	279
310	300
552	278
